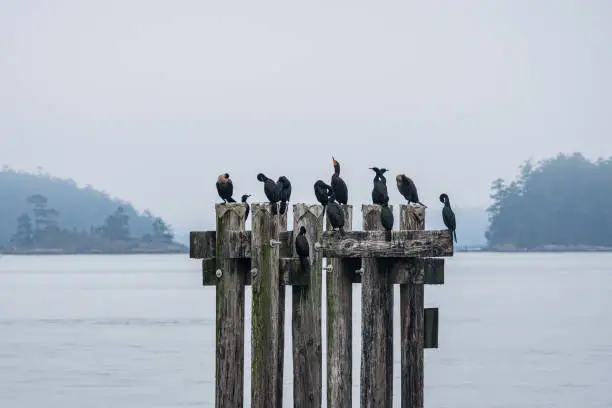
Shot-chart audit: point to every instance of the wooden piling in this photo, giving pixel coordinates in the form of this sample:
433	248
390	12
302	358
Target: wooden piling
339	288
266	317
306	310
376	323
412	310
230	274
282	227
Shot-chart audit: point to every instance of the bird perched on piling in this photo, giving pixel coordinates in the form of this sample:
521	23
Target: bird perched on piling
302	248
448	216
335	215
338	185
379	191
386	217
244	200
271	190
323	192
225	188
408	189
284	190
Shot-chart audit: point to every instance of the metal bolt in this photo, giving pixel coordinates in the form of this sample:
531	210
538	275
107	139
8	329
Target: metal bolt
274	242
317	246
254	271
329	267
219	273
359	271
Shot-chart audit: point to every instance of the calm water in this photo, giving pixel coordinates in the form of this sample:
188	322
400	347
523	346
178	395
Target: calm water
524	330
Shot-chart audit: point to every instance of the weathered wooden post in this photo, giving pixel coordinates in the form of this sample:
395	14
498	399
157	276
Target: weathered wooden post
412	321
339	288
306	319
376	322
265	334
282	227
231	273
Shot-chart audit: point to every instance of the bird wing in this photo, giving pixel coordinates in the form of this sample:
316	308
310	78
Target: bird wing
448	216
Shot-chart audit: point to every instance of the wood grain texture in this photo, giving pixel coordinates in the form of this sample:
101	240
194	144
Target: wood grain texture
386	244
431	327
339	287
265	333
428	271
290	272
282	228
306	314
229	382
203	244
376	323
412	322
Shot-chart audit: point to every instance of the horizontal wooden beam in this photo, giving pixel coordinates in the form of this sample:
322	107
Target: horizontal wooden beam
431	327
386	244
290	271
428	271
202	244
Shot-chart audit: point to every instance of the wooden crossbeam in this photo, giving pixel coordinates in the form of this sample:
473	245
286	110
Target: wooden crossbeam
386	244
355	244
428	271
202	244
290	272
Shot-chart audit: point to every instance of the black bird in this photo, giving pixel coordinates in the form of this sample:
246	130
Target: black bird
338	185
225	188
386	217
379	191
323	192
408	189
448	216
335	215
244	200
302	248
271	190
284	189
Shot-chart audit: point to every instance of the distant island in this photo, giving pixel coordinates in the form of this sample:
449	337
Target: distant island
40	214
562	203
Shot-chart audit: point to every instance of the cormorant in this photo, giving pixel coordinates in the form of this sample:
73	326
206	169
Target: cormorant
448	216
408	189
338	185
302	248
386	217
271	190
379	191
323	192
284	189
225	188
244	200
335	215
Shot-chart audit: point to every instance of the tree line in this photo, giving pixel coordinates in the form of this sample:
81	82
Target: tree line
565	201
40	228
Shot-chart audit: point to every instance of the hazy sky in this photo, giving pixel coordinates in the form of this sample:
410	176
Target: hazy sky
151	100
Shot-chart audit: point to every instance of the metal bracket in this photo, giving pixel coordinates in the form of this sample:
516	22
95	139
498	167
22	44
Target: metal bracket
329	267
317	246
219	273
274	242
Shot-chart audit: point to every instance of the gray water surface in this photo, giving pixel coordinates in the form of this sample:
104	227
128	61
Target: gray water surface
516	330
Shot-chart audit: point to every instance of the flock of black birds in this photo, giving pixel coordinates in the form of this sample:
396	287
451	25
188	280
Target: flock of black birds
334	195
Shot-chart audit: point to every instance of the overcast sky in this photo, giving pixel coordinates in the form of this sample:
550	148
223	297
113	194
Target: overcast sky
151	100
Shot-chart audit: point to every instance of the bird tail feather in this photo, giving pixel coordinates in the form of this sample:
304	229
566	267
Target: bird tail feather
283	207
455	235
231	200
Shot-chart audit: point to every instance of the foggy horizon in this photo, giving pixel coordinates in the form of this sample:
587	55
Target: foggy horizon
150	101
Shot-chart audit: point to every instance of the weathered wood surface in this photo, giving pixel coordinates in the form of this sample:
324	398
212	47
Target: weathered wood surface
412	321
202	244
431	327
386	244
229	373
282	227
265	334
376	322
339	287
289	270
306	310
419	271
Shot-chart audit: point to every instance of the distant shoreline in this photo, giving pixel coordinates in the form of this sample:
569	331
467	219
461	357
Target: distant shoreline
537	250
53	252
